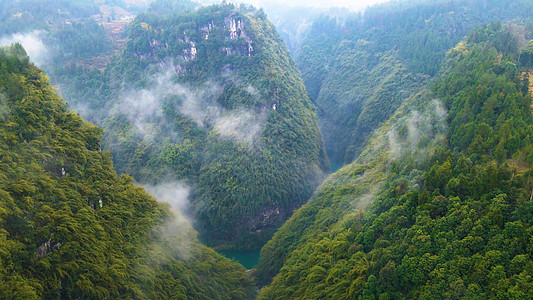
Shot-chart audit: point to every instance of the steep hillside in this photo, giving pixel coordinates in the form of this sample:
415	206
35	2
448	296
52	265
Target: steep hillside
358	70
437	206
373	86
210	98
70	227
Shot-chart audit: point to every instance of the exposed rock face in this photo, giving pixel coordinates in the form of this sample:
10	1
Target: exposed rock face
233	28
46	248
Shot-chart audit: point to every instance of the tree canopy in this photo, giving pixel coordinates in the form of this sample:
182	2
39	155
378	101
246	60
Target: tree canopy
70	227
438	205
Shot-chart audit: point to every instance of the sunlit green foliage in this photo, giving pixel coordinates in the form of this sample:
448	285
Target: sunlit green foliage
70	227
451	210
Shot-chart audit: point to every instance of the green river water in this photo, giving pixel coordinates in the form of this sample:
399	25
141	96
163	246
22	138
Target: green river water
246	258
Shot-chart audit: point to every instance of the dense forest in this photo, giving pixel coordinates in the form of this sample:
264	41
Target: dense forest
213	100
20	16
59	33
359	69
446	184
235	116
70	227
217	104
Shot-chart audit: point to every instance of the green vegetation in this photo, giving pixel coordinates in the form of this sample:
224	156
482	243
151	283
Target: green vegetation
61	33
437	204
72	33
526	57
210	97
25	15
359	69
373	87
21	16
80	40
70	227
447	181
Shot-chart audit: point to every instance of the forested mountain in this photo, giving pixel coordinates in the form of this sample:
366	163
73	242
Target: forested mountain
212	98
293	22
26	15
56	33
70	227
428	104
438	205
23	15
358	70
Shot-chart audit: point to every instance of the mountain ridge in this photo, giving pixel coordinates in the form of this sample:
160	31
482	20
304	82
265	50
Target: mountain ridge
223	102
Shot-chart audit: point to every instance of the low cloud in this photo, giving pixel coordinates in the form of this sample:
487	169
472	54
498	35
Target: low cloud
175	238
174	193
144	108
409	134
419	132
32	43
240	125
